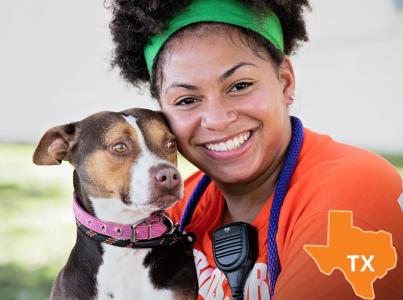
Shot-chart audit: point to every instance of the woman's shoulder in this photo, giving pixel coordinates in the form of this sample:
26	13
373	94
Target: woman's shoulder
349	164
336	176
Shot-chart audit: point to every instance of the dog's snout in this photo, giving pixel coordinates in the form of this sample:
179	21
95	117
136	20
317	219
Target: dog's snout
167	177
166	185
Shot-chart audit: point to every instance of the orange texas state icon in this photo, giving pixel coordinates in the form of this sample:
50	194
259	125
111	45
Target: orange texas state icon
362	256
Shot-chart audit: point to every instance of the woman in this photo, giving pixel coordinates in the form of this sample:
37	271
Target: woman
221	73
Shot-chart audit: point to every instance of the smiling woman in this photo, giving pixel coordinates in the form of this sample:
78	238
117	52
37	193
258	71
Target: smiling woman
223	78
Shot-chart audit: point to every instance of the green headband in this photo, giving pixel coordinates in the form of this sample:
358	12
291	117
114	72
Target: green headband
223	11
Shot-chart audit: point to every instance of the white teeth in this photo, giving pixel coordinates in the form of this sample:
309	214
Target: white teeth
231	144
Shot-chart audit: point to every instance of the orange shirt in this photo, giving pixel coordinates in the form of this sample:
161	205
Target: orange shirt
328	176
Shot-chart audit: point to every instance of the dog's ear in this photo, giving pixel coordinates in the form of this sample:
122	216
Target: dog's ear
55	145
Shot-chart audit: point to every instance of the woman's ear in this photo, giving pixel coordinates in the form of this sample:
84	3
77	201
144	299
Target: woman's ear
287	80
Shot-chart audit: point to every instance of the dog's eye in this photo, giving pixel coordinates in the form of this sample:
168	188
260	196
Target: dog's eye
119	147
171	145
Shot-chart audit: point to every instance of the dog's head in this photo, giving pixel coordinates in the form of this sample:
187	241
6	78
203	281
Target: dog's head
124	160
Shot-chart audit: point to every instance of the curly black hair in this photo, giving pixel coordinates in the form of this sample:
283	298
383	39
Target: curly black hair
135	21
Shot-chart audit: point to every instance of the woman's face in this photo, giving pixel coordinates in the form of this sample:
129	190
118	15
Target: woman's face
226	105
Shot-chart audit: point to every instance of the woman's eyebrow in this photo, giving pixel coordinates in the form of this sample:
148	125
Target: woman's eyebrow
224	76
182	85
232	70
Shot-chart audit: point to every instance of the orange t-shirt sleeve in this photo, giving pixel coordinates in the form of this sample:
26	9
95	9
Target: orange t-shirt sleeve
369	188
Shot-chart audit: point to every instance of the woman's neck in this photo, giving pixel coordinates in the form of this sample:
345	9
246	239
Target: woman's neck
244	201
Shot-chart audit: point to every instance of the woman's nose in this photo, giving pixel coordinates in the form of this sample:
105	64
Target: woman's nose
218	116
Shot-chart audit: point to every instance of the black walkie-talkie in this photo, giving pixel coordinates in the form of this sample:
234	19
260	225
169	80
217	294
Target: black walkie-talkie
235	249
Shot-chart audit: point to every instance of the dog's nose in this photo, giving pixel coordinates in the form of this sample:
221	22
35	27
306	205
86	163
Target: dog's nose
167	177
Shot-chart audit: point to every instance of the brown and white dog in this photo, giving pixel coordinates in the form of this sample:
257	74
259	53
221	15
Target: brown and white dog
124	172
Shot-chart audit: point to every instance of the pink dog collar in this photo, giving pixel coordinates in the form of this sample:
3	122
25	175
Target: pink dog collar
146	229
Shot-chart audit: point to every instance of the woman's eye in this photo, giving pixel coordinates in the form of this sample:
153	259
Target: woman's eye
240	86
119	148
171	145
186	101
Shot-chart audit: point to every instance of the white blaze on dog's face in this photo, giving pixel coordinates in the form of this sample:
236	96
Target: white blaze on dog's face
125	162
146	190
136	168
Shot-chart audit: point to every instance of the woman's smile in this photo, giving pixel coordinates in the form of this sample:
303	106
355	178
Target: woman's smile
230	147
229	144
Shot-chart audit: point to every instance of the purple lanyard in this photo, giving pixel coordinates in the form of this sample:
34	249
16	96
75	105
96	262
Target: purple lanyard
279	195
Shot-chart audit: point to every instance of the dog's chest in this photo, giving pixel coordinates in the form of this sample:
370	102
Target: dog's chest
122	275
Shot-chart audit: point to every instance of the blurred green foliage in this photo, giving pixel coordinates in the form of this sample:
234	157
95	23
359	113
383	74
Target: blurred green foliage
37	228
36	232
19	282
395	159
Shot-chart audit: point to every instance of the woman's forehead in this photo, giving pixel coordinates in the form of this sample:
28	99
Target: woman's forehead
205	54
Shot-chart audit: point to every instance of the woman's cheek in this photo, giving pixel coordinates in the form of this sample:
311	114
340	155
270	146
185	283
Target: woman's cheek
263	103
256	106
181	124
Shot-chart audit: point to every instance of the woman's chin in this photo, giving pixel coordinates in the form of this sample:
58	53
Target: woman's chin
231	175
